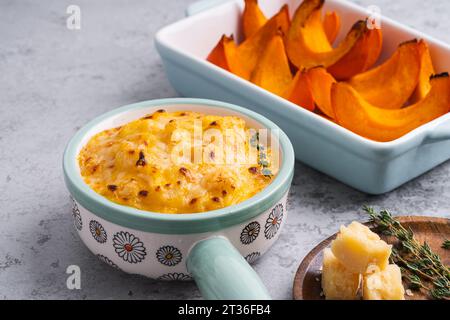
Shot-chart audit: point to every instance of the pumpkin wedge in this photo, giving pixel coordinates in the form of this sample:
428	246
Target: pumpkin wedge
299	91
315	37
307	44
361	57
273	72
249	52
224	49
391	84
320	84
331	25
312	88
252	18
426	70
359	116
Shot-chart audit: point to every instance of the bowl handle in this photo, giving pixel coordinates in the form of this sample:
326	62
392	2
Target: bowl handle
440	132
221	273
201	5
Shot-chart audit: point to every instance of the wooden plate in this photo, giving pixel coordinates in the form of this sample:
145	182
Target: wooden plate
434	231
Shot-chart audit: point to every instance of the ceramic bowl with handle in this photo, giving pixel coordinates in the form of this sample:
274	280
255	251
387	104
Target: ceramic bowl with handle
214	248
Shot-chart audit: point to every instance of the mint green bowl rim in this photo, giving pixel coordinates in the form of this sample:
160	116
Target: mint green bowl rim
177	223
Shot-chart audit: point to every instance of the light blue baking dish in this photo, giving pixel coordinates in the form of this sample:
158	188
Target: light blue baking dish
369	166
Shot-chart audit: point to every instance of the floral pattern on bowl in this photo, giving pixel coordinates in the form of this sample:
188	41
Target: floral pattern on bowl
133	250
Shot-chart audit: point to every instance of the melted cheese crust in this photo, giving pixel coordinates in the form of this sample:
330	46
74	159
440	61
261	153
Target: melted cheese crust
133	165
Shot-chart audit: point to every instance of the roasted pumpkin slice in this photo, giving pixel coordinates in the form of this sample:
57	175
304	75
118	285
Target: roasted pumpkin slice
307	44
331	25
252	18
250	51
312	88
375	40
315	37
320	82
273	72
299	91
222	52
361	57
361	117
426	70
391	84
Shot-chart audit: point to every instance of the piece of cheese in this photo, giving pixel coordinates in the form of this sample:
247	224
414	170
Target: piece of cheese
357	247
338	283
384	285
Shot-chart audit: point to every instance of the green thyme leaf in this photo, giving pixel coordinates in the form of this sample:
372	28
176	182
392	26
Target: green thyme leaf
446	244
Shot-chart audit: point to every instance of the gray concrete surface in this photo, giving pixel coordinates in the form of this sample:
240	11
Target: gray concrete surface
52	81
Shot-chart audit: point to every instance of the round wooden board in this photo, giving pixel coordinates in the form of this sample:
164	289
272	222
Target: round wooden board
434	231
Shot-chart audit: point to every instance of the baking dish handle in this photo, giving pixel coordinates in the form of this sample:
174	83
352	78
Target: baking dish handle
201	5
440	132
221	273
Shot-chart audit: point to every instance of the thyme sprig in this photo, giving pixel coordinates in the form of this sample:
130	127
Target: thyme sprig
420	265
262	155
446	244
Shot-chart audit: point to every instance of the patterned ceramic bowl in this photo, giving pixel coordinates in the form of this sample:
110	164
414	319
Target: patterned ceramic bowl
214	248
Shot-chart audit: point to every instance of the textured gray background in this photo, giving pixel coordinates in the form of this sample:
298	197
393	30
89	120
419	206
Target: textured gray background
52	81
